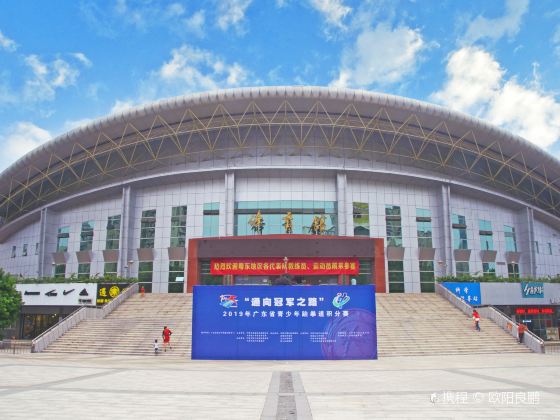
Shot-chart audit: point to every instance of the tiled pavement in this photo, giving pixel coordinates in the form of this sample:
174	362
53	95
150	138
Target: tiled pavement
51	386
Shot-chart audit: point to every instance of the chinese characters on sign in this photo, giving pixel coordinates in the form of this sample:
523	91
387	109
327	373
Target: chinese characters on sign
106	292
263	266
284	322
469	292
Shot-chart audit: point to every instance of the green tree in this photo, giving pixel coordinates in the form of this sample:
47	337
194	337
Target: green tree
10	300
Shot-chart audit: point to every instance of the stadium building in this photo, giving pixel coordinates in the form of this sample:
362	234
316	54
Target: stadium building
264	185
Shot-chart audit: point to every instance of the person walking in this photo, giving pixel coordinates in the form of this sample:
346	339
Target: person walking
476	319
142	291
521	328
156	347
166	334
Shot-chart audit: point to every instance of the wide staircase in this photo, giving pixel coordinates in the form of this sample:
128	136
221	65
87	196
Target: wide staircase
407	324
132	327
427	324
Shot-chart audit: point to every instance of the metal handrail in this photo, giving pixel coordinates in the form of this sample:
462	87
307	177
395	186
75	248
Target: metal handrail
499	318
531	340
112	305
42	341
454	299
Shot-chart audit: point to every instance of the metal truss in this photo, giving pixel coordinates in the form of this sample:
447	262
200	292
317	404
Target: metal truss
317	131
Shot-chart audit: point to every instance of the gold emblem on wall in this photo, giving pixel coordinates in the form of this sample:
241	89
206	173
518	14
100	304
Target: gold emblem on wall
288	222
257	223
319	224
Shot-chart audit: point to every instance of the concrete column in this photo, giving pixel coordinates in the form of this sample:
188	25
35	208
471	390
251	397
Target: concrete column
227	214
345	227
448	267
43	263
126	252
525	237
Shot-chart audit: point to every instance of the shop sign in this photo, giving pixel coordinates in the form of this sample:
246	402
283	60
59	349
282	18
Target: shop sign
59	294
284	322
469	292
534	311
532	289
278	266
106	292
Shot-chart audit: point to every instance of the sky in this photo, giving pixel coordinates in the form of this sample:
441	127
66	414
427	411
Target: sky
65	63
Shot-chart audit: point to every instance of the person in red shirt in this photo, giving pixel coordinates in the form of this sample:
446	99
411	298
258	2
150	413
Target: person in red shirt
476	319
521	328
166	334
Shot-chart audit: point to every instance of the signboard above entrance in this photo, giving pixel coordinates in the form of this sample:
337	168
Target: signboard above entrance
278	266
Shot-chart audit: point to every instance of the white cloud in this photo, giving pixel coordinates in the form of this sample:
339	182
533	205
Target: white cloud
175	9
556	41
494	29
72	124
82	58
380	56
188	70
473	77
19	139
195	69
7	43
476	84
122	106
47	77
231	13
334	11
137	17
195	23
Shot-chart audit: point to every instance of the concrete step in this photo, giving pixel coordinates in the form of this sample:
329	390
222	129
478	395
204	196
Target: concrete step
407	324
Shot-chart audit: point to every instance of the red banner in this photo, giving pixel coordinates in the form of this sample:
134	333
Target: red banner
278	266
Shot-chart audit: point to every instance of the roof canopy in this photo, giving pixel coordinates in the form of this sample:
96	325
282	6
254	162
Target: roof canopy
225	124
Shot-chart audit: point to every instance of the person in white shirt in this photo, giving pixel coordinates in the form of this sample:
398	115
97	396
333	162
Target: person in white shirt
156	347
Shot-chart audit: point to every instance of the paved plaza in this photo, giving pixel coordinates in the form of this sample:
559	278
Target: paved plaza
56	386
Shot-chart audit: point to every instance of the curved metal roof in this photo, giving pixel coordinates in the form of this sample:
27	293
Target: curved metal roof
352	123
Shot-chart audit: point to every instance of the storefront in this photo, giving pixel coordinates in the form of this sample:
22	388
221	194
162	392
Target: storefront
543	321
45	304
536	304
286	260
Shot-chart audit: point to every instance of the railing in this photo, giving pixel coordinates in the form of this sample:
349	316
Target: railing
112	305
42	341
15	346
552	347
456	301
499	318
529	339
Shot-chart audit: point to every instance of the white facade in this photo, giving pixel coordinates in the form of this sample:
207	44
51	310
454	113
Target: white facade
313	148
317	185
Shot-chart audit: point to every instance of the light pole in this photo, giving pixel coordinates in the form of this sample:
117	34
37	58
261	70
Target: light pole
128	267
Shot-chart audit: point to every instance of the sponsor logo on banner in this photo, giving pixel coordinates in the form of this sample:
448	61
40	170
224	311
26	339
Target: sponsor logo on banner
228	301
340	300
284	322
532	289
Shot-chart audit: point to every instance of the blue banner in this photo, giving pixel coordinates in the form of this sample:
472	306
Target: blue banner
284	322
532	289
469	292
